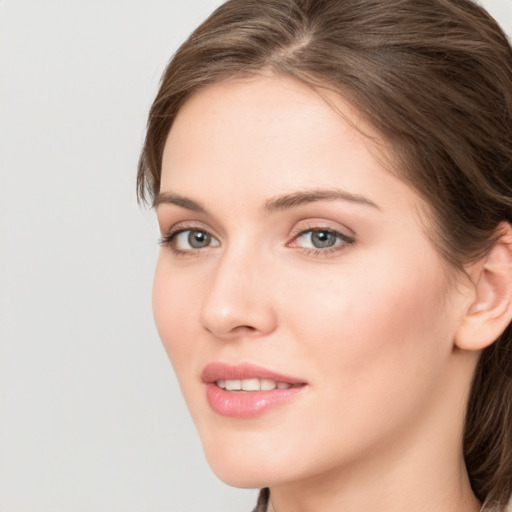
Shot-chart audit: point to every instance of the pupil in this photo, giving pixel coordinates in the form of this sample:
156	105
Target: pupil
322	239
198	239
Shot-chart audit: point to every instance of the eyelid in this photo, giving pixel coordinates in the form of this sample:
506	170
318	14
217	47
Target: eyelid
319	225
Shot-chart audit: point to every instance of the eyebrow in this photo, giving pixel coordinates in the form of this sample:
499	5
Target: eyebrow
183	202
310	196
278	203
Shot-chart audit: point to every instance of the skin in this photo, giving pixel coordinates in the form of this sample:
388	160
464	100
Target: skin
368	323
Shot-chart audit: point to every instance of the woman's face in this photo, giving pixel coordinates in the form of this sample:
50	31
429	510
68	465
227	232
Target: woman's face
307	315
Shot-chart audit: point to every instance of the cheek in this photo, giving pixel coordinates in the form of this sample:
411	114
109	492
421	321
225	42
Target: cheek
174	313
377	338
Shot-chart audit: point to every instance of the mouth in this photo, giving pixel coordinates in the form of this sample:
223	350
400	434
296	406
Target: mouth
246	391
254	384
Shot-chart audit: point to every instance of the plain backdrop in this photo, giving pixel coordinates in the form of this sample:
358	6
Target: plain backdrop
91	418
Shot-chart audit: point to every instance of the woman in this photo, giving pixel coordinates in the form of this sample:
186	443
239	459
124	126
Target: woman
333	185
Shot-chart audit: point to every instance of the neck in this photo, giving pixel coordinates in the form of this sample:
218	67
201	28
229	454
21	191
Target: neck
378	491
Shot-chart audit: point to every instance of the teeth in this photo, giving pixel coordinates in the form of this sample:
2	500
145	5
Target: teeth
267	384
251	385
233	385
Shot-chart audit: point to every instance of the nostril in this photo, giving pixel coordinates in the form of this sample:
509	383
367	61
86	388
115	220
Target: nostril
247	327
243	329
239	329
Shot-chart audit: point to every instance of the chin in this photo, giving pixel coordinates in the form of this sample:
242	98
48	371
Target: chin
240	468
249	462
261	457
243	478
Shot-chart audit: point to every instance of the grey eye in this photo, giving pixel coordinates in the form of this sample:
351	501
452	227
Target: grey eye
323	239
198	239
192	239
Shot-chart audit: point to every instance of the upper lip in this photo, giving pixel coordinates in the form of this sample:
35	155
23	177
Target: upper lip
223	371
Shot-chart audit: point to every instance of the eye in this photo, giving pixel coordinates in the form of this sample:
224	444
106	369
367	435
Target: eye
189	240
321	240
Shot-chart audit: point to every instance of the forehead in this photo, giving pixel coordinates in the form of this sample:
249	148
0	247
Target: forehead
269	135
262	117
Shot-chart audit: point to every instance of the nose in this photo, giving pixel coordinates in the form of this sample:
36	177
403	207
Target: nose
239	299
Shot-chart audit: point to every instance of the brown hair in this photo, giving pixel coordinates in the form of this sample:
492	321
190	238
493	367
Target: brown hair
434	77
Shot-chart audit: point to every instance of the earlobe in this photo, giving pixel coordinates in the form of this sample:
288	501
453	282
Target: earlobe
491	310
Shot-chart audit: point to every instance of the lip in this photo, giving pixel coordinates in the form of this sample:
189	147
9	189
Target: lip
246	404
217	370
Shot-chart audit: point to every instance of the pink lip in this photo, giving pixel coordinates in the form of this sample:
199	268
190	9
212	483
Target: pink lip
216	371
246	404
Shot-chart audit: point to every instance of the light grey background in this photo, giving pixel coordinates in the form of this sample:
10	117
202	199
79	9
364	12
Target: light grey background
91	417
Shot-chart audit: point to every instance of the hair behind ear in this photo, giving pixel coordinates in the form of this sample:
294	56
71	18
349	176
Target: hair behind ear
488	431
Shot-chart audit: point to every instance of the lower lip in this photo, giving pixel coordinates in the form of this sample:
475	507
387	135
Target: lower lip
247	404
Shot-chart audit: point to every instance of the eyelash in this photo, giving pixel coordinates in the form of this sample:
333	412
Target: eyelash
169	239
343	240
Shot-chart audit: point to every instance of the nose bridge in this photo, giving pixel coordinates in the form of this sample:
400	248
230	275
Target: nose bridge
238	299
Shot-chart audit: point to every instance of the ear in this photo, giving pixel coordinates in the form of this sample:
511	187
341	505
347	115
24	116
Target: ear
491	310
